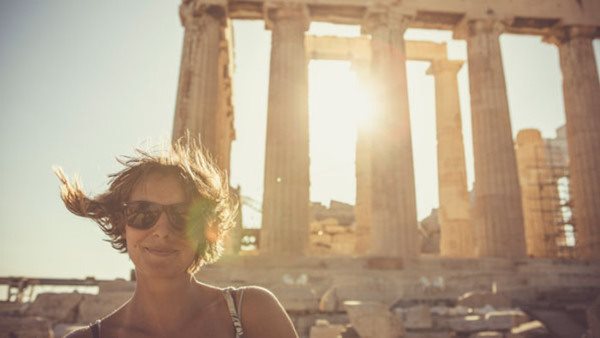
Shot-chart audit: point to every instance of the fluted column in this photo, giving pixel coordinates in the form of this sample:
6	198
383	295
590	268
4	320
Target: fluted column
539	194
498	217
198	92
286	185
393	204
582	107
362	209
456	229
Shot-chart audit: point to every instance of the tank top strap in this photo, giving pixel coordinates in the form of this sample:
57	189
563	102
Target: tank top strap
234	311
95	328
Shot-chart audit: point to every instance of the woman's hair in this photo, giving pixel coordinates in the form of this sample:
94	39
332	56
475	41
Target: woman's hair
206	187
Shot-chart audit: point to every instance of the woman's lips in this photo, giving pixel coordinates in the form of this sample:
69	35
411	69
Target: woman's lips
162	252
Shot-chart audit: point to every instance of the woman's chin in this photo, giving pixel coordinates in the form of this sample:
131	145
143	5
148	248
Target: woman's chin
160	268
160	272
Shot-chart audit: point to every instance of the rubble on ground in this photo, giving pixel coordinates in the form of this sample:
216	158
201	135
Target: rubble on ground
373	297
56	314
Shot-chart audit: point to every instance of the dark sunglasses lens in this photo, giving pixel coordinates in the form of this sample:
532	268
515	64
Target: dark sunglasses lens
178	216
142	215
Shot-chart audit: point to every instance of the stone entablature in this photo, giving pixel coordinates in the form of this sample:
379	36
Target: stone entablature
359	49
524	16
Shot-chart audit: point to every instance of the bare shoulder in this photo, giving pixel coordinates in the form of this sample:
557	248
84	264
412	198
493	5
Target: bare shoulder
80	333
258	296
263	315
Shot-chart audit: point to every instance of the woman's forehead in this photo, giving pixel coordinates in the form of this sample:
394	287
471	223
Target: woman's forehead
164	188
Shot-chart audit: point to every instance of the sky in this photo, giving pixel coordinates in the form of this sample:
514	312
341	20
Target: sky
82	82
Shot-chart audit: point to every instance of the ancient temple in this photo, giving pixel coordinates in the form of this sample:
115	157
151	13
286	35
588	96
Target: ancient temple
386	208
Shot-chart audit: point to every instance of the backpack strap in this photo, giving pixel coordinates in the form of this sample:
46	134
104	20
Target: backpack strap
233	311
95	328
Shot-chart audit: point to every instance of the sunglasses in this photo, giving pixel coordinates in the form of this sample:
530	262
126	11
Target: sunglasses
143	214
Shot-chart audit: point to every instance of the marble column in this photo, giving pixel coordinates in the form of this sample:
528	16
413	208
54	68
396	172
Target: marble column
393	203
497	213
456	229
541	204
362	209
286	182
198	94
582	107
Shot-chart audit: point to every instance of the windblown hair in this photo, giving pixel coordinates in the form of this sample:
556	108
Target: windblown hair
203	182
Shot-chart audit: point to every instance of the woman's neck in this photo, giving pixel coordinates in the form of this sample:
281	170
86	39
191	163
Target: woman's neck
163	304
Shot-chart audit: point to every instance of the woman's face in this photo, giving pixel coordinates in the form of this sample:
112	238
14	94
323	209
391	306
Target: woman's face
160	251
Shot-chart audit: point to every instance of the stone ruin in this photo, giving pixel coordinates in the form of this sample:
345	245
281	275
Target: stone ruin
334	297
494	223
56	314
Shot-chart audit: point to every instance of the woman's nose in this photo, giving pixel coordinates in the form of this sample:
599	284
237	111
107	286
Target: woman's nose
162	227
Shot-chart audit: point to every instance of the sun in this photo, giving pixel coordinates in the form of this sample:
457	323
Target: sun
339	104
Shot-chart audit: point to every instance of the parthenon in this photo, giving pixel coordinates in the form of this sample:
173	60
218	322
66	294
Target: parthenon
386	207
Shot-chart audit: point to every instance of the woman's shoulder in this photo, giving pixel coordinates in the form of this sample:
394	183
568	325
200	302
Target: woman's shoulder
257	293
259	307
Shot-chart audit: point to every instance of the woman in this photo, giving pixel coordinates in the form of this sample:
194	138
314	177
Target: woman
169	212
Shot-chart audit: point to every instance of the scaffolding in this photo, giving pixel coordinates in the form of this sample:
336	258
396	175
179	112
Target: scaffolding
550	199
562	215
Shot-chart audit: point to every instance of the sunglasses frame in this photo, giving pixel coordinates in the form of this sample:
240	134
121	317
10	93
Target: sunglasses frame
173	216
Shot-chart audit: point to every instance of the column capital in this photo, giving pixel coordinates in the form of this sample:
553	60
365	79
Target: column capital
384	17
275	11
192	12
562	34
443	65
468	28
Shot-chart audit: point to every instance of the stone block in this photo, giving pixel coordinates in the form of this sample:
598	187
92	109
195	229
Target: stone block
458	311
56	307
441	322
25	327
487	334
335	229
505	320
429	334
350	332
417	317
11	308
94	307
301	298
329	221
343	244
323	329
529	330
117	285
321	238
373	320
385	263
439	310
559	322
483	310
593	318
374	290
470	323
304	321
329	301
479	299
315	227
